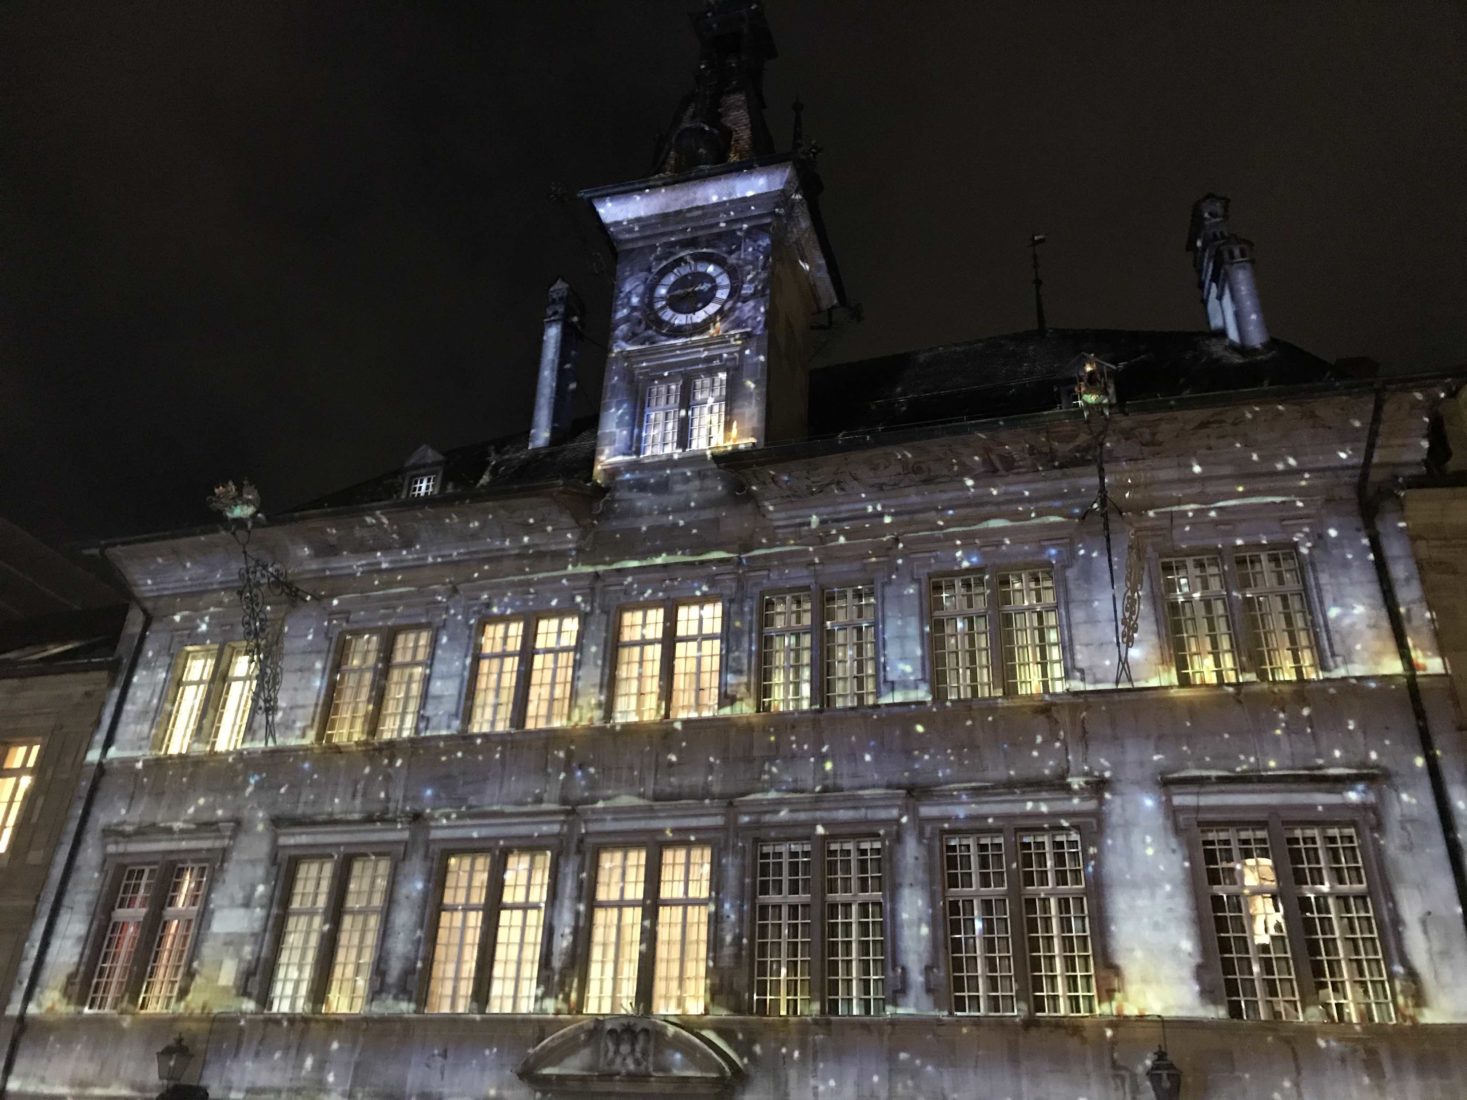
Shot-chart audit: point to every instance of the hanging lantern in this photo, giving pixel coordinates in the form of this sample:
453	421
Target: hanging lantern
1164	1076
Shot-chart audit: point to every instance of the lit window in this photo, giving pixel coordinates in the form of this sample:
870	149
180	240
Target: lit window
683	412
498	971
697	659
1195	589
502	697
966	636
1221	628
850	928
422	485
692	631
988	954
1252	893
210	700
376	697
17	773
639	643
676	916
304	980
680	971
1272	584
552	668
1029	627
165	901
789	639
961	668
847	658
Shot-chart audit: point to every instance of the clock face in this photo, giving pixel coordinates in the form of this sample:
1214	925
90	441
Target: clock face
690	291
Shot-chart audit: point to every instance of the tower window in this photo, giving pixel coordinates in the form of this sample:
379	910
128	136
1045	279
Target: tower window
683	412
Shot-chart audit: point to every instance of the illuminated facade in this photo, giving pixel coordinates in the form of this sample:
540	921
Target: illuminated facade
793	734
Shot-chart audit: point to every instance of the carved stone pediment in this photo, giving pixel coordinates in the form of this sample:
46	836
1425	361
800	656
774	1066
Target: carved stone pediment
635	1055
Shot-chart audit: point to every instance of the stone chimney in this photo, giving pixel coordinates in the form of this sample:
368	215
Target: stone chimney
558	351
1224	263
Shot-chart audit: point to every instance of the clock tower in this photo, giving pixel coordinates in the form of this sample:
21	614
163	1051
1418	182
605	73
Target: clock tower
721	266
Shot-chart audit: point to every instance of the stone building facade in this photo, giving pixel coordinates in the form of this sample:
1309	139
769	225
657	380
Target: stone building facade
959	724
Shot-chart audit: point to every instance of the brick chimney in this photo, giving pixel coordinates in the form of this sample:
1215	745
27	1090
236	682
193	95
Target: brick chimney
557	382
1224	263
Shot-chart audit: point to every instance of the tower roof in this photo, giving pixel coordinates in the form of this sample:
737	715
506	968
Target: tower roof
721	121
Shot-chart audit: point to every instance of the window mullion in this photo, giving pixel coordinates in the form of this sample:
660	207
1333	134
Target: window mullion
669	658
1305	982
148	927
651	897
817	648
488	932
818	1006
1018	923
326	952
992	615
1247	650
203	729
380	668
519	709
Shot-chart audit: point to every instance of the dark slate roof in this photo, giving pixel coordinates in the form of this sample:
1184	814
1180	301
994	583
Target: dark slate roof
1026	372
1023	372
60	638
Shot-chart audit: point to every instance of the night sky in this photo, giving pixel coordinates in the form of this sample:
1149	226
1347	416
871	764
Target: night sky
293	241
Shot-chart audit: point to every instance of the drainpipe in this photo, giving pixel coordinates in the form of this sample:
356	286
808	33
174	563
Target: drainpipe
53	911
1369	513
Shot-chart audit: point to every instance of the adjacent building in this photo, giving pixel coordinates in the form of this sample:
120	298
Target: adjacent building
59	633
968	722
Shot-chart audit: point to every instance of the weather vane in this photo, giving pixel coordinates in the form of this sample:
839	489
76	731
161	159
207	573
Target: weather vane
257	580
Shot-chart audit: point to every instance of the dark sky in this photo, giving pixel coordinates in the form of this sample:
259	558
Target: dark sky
292	241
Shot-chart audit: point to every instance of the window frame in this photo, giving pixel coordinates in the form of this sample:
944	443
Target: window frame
997	666
1245	644
285	865
1276	821
653	846
819	839
25	792
114	868
201	737
667	647
1009	826
685	373
439	853
380	667
520	698
819	625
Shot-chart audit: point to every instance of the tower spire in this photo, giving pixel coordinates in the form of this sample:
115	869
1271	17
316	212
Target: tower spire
722	120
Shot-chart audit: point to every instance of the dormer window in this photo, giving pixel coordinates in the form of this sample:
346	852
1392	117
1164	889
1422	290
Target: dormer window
423	485
683	411
422	474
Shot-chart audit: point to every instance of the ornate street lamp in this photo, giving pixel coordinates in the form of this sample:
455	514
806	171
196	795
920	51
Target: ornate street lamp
1164	1076
173	1063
